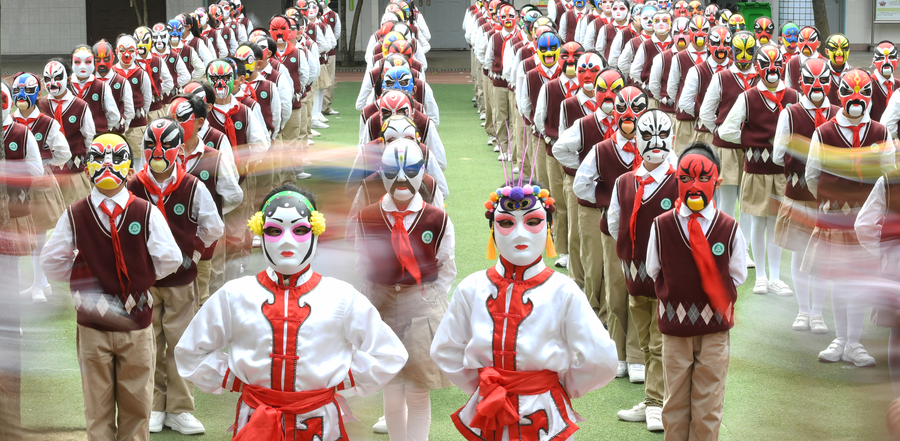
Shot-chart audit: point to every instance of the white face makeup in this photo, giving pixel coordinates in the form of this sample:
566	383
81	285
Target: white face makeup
647	18
654	136
402	169
399	128
55	78
606	6
288	241
662	23
126	48
83	63
520	235
619	11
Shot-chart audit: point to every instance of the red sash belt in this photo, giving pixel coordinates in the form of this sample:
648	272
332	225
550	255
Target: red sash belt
498	388
272	405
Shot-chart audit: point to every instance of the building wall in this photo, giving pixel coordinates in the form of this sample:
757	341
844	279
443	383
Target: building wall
41	26
858	24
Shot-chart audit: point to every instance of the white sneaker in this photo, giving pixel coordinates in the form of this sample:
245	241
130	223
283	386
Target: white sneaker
817	325
503	157
780	288
330	112
496	148
762	286
492	141
635	373
473	99
311	142
834	352
750	263
156	421
314	133
303	175
322	119
855	353
185	424
515	170
636	414
801	323
483	124
256	242
482	116
37	296
622	369
316	124
654	419
562	262
380	426
47	290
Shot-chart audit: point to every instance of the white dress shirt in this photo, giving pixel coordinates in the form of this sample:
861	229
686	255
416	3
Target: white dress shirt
87	128
209	225
655	85
640	58
730	130
227	185
541	111
202	50
626	56
564	124
674	82
587	175
166	82
618	44
781	144
658	174
257	135
31	165
146	90
691	86
787	68
891	115
181	72
56	141
710	106
870	220
285	90
569	144
196	61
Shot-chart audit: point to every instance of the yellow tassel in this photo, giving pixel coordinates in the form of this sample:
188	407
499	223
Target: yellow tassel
491	248
551	250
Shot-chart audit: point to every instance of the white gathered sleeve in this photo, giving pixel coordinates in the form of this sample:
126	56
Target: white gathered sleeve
431	106
110	107
710	104
656	70
379	354
88	129
209	224
730	130
59	147
566	148
689	91
593	359
891	115
781	143
448	348
870	218
199	354
674	81
585	183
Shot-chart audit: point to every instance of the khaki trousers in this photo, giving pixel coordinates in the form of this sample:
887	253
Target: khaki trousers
592	260
576	269
644	315
621	328
696	369
135	138
540	161
117	382
306	117
515	126
555	174
684	132
699	136
528	148
500	103
329	91
488	104
479	85
652	103
173	310
292	144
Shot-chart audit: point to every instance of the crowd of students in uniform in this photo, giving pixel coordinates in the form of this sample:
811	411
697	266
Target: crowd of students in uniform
574	95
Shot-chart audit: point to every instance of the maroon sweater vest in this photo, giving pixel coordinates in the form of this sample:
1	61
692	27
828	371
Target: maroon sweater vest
169	62
206	170
72	118
214	138
571	23
758	130
610	166
94	271
879	99
573	111
611	31
497	44
666	66
835	190
425	236
650	51
705	76
264	90
792	73
685	63
186	53
560	10
634	43
15	148
687	312
330	19
634	254
291	60
137	82
95	97
556	94
732	87
592	132
41	131
533	82
184	227
801	124
155	73
118	83
240	126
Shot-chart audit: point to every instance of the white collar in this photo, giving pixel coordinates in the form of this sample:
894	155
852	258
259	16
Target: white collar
227	107
621	140
120	198
203	129
658	173
655	39
708	213
532	271
807	104
733	67
882	79
844	122
65	98
416	204
18	114
778	88
803	58
713	63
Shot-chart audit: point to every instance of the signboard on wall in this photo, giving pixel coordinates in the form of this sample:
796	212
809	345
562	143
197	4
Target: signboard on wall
887	11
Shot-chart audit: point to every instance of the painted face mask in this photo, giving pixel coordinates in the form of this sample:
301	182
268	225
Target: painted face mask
589	66
399	78
770	63
507	17
654	136
608	84
711	13
402	169
55	78
401	47
630	104
25	91
855	91
662	23
664	4
837	47
790	35
280	29
647	18
568	58
162	141
312	12
5	102
103	57
815	79
520	223
619	11
699	30
159	37
194	88
221	76
764	29
681	9
606	6
579	4
724	16
885	58
144	40
290	227
697	176
175	29
394	60
808	41
183	113
108	161
736	23
388	40
126	48
695	8
262	41
720	43
393	103
548	48
681	35
743	46
244	55
83	62
636	14
399	127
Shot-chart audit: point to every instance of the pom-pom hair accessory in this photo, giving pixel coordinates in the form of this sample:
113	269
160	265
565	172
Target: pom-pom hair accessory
316	218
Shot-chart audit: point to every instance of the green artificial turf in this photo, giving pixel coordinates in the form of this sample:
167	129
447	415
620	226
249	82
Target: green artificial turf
777	390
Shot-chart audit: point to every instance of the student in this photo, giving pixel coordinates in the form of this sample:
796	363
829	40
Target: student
141	94
695	54
698	273
161	80
112	247
885	62
98	94
638	197
104	61
191	214
807	47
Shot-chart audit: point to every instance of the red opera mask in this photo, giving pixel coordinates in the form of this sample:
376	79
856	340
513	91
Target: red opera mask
855	91
630	103
808	41
395	102
764	29
770	64
589	66
568	57
181	110
697	176
885	58
162	141
815	79
608	84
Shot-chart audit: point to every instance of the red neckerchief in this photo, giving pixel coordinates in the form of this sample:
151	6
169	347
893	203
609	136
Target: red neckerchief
403	247
663	45
591	105
774	97
27	121
888	86
855	144
747	79
638	202
80	90
787	57
820	117
710	278
249	90
610	130
544	74
153	189
147	68
121	268
57	114
638	159
699	58
229	122
287	50
571	88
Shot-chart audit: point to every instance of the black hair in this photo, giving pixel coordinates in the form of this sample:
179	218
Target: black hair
703	149
197	105
290	187
239	69
208	90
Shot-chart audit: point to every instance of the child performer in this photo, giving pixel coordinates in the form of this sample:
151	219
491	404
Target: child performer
696	276
112	247
637	199
286	310
519	338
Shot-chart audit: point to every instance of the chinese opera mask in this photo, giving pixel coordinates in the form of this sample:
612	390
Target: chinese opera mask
697	178
104	58
855	91
162	142
399	127
399	78
695	8
394	102
885	58
108	161
736	23
619	11
159	37
837	47
608	84
681	35
25	91
220	74
245	56
290	228
790	36
144	40
83	62
56	79
182	112
720	43
662	23
630	104
763	29
743	46
402	169
589	66
548	48
770	64
808	41
698	29
681	9
647	13
711	13
280	29
402	47
126	48
175	29
654	136
568	58
815	79
520	219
